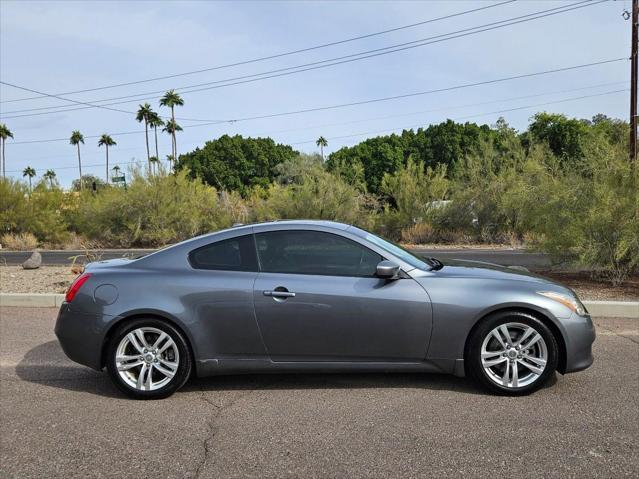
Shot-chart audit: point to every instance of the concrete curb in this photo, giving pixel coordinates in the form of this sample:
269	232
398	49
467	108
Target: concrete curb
31	300
608	309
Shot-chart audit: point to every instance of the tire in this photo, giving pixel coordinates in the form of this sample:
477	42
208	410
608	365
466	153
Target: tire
150	348
501	367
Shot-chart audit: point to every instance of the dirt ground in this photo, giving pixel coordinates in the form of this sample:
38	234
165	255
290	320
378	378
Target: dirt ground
56	279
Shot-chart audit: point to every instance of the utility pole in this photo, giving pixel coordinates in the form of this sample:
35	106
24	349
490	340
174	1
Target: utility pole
633	81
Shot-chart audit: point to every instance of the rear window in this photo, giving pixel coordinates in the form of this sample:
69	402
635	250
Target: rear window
234	254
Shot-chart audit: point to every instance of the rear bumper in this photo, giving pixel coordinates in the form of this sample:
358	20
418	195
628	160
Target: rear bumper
579	336
81	336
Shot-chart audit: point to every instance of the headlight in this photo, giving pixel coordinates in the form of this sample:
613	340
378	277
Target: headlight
571	302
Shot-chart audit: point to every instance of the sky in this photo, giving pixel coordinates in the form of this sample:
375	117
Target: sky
56	48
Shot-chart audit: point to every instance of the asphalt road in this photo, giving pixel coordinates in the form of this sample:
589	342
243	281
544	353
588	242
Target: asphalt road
507	257
58	419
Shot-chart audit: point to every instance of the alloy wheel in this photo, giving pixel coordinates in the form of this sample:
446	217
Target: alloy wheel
514	355
147	359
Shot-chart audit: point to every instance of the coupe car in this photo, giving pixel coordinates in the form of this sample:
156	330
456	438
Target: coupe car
317	296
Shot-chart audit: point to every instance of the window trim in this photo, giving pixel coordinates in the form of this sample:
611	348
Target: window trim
259	259
238	238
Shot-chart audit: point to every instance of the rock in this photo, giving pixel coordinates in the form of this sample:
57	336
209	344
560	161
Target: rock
34	261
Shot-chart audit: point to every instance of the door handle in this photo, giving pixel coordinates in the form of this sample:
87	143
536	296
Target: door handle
279	294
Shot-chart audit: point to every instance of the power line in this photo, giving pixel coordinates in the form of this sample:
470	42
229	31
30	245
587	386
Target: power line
386	130
362	102
323	63
271	57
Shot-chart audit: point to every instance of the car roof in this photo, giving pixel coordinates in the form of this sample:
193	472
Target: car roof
323	223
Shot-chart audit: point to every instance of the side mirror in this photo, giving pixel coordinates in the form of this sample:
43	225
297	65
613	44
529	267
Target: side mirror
387	270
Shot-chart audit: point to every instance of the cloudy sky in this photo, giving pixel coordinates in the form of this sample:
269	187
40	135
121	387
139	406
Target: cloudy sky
59	48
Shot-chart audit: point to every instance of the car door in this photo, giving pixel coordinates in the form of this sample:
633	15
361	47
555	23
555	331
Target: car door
317	299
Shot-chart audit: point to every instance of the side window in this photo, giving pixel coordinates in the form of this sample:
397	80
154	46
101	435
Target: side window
314	252
234	254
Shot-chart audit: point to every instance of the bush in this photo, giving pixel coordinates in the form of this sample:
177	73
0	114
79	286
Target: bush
151	212
19	242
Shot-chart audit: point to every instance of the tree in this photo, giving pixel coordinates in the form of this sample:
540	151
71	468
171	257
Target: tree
29	172
154	160
236	163
50	175
4	134
76	139
106	141
171	99
87	180
563	135
155	122
171	127
143	115
116	170
321	142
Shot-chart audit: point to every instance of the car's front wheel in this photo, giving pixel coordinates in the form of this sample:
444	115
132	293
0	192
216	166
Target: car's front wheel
512	353
148	359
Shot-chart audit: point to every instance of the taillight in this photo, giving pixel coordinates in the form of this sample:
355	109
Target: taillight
75	286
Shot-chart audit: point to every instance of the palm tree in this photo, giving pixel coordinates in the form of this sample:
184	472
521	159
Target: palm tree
154	161
116	170
50	175
171	127
155	122
107	141
143	116
4	134
321	142
76	139
30	172
172	99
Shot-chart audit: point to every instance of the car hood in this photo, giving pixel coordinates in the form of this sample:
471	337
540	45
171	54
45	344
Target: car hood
482	270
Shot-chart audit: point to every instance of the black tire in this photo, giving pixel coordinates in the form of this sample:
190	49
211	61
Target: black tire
182	373
473	362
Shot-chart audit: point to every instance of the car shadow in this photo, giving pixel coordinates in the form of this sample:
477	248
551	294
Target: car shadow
48	365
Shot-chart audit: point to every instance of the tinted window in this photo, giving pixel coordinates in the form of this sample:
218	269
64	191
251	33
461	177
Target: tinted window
313	252
235	254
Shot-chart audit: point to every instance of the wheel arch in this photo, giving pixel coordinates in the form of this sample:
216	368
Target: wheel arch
540	315
133	315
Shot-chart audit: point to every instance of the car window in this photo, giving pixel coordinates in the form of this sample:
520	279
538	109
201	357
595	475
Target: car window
234	254
314	252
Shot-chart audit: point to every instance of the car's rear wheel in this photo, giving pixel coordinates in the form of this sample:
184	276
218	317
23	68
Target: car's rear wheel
148	359
512	353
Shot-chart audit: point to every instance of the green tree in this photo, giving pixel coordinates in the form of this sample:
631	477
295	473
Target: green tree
155	122
143	115
171	99
154	161
321	142
76	139
171	127
87	180
236	163
50	175
30	173
106	141
563	135
4	134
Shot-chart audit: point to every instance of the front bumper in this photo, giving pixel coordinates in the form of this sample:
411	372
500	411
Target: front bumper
81	336
579	334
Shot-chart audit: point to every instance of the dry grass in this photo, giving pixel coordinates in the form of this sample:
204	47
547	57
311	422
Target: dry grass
19	242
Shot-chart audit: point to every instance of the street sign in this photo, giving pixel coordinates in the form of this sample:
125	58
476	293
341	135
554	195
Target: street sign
118	179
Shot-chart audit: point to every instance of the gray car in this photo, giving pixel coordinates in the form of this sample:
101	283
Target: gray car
317	296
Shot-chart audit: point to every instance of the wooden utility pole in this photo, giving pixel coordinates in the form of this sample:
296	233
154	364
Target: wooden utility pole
633	81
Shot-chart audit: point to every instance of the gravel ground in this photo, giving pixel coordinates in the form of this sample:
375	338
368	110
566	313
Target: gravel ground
56	279
46	279
62	420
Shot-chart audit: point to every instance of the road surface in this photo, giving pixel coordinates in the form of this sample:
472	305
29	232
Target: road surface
509	257
62	420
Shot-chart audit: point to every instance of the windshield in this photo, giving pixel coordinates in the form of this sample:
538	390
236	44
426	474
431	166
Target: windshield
394	249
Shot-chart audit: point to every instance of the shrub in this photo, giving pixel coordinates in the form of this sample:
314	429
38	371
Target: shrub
20	241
